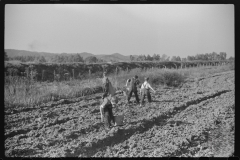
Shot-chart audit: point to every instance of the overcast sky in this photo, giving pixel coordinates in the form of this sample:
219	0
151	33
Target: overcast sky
171	29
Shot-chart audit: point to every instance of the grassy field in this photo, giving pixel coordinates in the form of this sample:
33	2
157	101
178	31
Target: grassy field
22	91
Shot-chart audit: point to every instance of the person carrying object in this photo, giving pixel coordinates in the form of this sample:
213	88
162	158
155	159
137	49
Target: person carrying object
127	84
145	91
134	83
104	77
126	88
106	111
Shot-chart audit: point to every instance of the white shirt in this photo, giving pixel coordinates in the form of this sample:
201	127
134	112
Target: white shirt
128	83
146	85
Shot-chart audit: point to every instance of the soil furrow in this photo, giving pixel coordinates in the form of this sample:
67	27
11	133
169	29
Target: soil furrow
172	125
119	137
193	136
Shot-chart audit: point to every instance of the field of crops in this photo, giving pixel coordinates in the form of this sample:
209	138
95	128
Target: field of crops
195	119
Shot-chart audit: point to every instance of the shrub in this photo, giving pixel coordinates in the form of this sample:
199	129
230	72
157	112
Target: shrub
168	78
232	66
156	77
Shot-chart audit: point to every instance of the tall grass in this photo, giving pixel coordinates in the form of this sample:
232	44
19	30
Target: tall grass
22	91
166	77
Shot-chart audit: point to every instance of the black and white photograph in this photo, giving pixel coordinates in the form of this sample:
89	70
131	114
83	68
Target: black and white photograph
119	80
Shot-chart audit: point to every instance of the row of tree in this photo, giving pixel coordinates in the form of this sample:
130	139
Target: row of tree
68	58
164	57
208	56
60	58
27	58
155	57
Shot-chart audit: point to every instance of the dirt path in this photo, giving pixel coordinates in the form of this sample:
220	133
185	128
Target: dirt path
180	122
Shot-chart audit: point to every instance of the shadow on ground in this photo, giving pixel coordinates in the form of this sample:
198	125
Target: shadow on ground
123	134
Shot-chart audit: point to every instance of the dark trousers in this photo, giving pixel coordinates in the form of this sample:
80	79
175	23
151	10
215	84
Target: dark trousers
146	93
130	95
108	115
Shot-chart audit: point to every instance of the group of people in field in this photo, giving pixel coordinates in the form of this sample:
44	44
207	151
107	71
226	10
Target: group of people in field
110	99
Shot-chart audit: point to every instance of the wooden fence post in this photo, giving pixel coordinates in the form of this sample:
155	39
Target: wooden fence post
31	75
42	74
175	65
89	71
54	75
79	76
73	73
27	72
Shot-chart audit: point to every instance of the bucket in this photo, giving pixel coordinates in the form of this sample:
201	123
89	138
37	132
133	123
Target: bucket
119	119
126	91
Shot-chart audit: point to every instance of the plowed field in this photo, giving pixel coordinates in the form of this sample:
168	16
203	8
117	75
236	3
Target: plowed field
196	119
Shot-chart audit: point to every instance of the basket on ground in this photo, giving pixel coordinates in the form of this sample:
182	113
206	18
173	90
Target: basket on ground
119	119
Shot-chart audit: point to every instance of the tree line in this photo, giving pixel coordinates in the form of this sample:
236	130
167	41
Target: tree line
70	58
59	58
204	57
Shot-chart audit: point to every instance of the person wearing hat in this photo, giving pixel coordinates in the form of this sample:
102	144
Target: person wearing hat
107	87
145	91
104	77
134	82
106	111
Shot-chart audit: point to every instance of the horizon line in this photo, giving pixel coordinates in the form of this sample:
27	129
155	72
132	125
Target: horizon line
105	54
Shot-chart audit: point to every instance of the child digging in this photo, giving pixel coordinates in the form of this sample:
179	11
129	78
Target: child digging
109	101
106	111
145	91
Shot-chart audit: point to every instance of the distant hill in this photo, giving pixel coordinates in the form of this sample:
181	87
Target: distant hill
14	53
115	56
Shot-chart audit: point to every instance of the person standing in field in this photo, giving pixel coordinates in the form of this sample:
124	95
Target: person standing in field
126	88
134	83
107	87
106	111
109	101
145	91
104	77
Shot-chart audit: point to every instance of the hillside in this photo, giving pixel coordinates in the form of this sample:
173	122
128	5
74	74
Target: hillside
115	57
